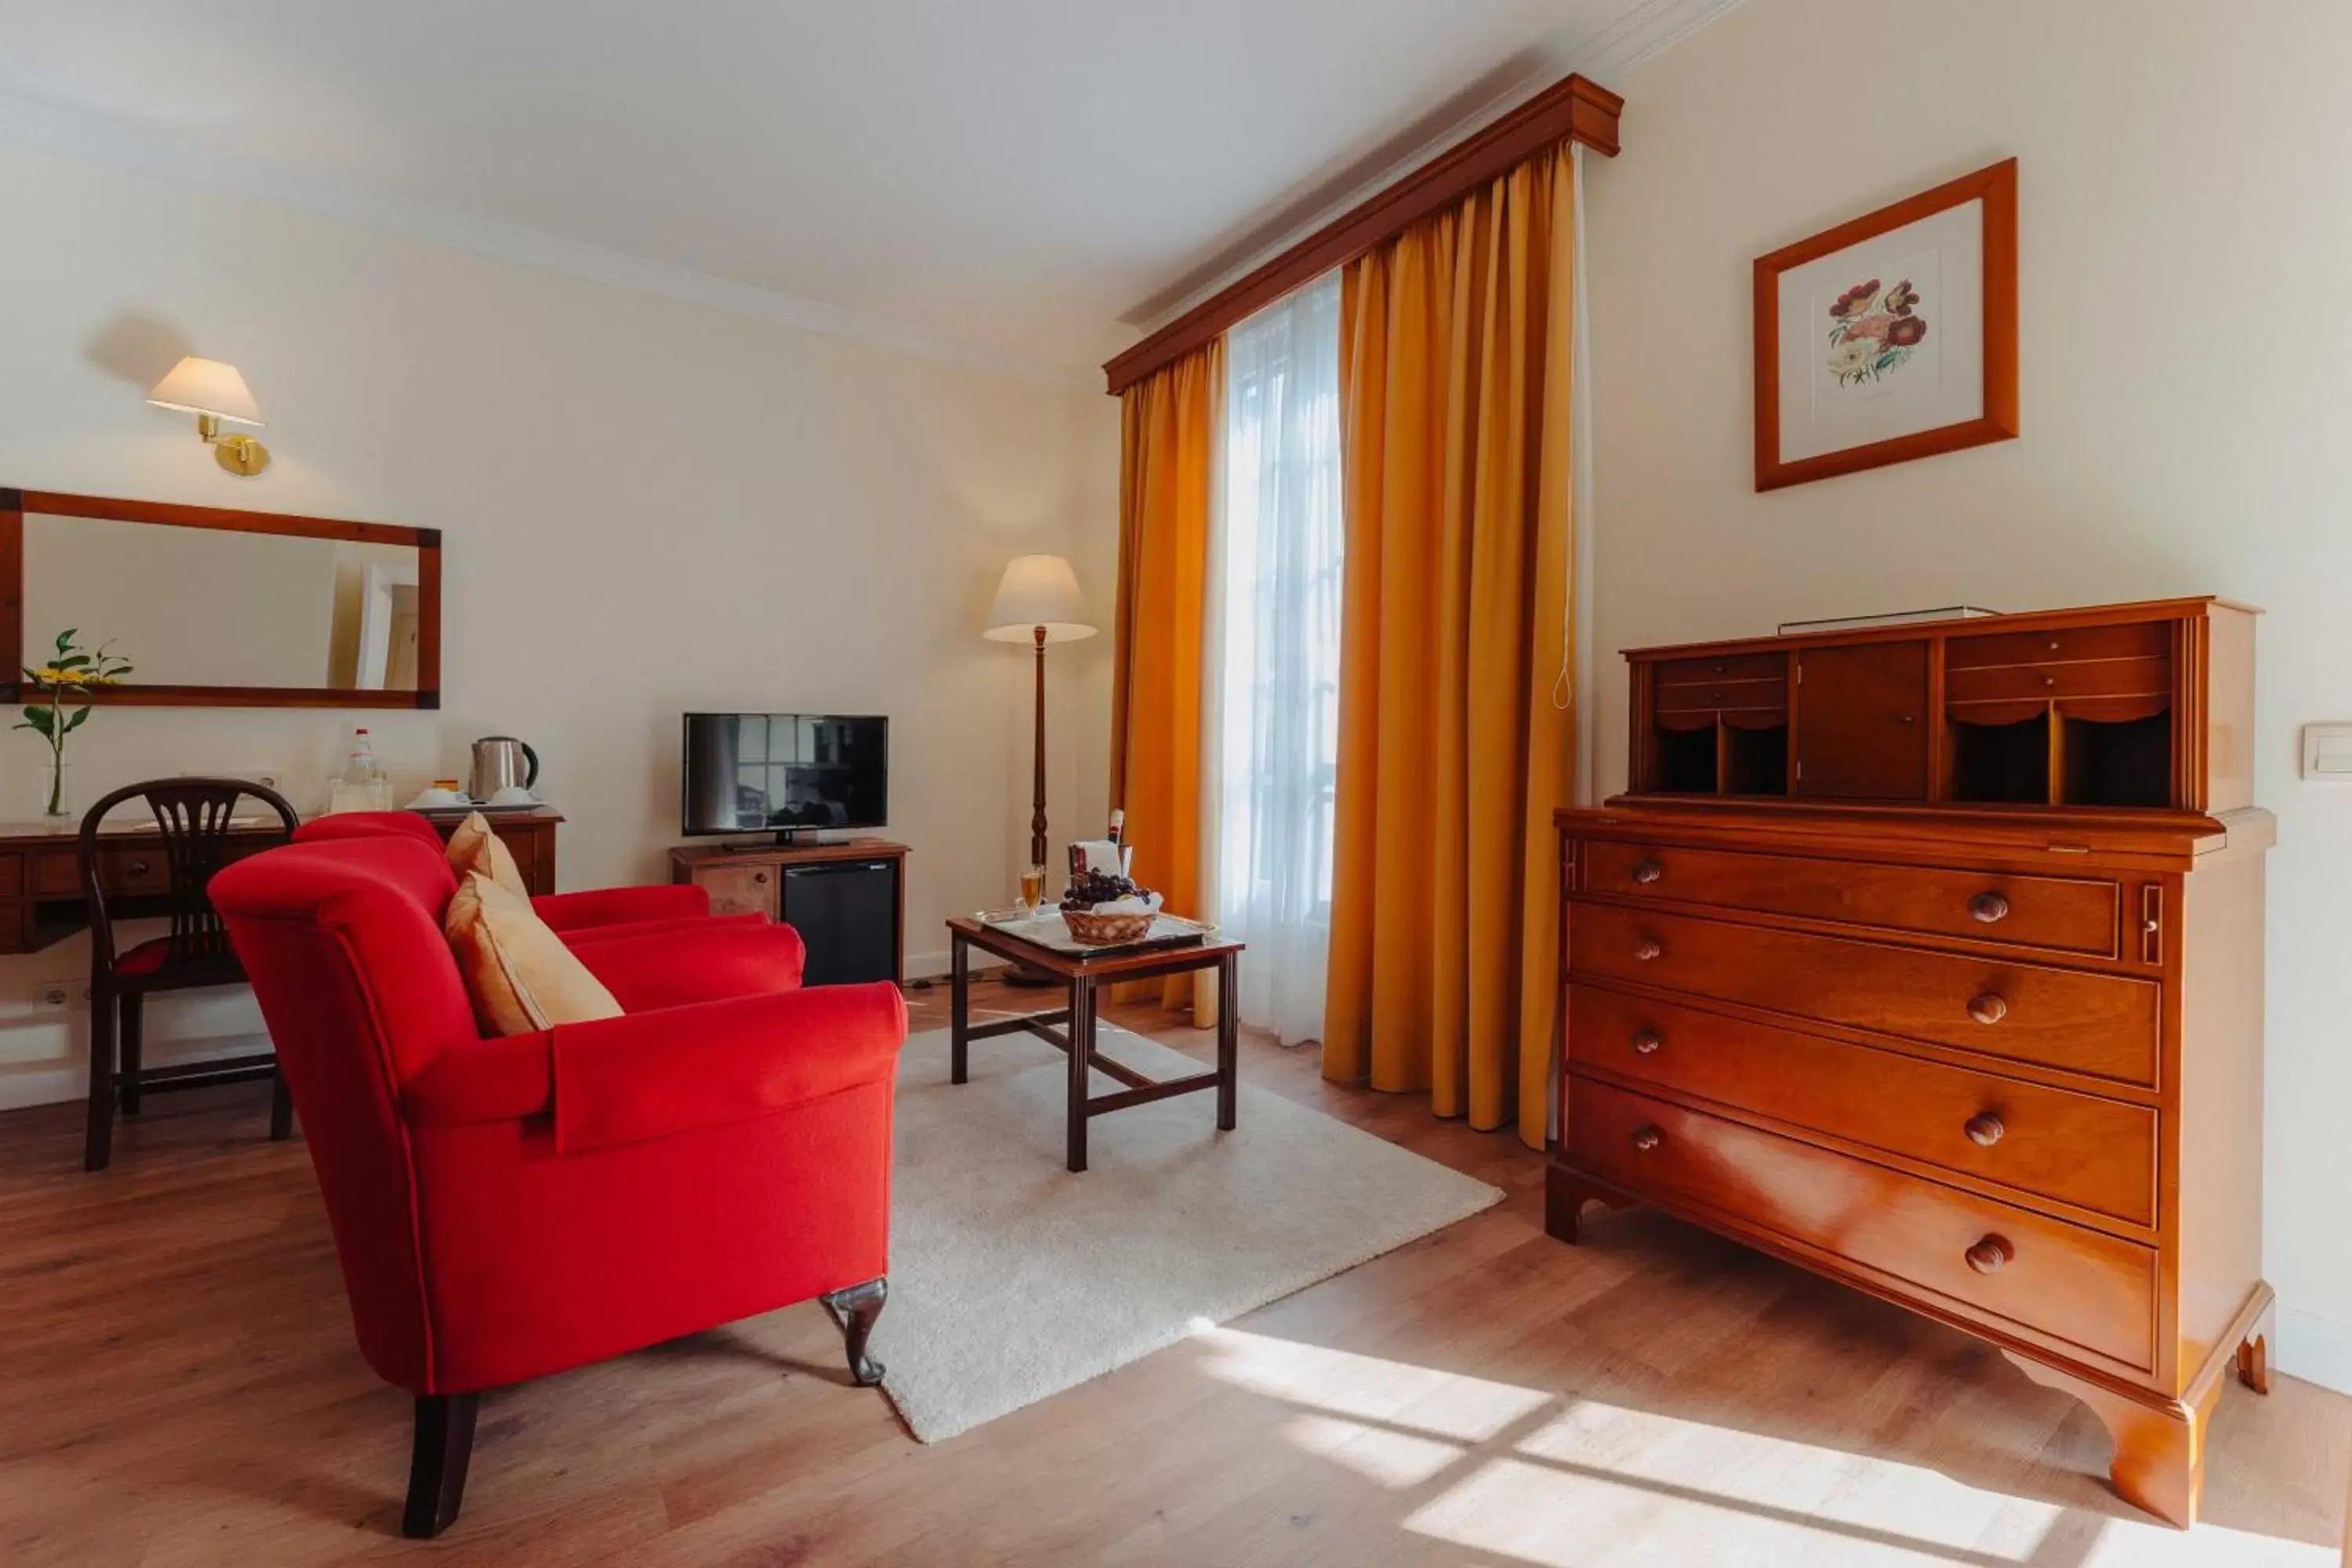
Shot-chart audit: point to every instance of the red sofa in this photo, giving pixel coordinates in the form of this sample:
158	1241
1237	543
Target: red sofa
591	916
511	1207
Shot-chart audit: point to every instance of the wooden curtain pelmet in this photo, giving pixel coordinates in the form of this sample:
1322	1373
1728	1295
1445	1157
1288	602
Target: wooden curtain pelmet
1573	109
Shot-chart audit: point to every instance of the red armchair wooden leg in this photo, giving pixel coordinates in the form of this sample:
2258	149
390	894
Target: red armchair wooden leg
436	1462
855	1311
281	1108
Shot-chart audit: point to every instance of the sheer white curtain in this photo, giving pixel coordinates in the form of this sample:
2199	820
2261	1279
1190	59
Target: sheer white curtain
1274	650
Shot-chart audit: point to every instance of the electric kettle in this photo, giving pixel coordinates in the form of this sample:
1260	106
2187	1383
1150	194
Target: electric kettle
501	762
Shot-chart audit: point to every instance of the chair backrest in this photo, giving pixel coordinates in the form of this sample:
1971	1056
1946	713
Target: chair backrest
367	825
343	941
194	816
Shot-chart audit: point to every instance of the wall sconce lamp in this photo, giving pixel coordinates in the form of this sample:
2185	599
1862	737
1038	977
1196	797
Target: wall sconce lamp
213	392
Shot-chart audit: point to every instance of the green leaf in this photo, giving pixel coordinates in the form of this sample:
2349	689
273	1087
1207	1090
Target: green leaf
37	719
73	661
75	722
65	639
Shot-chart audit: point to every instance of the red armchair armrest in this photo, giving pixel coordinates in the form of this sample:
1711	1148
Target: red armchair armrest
581	936
650	1075
612	906
704	961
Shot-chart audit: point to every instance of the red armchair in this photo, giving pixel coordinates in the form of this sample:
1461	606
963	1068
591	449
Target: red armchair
506	1209
594	915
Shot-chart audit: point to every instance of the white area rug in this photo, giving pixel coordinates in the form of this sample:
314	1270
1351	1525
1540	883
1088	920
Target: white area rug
1012	1279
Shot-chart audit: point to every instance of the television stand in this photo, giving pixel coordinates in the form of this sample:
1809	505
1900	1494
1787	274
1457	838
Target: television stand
846	897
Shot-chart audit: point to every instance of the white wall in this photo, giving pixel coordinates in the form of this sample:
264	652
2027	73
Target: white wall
2186	243
646	506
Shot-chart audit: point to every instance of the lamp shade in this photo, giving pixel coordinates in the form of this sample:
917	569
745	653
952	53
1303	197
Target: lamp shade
206	386
1038	591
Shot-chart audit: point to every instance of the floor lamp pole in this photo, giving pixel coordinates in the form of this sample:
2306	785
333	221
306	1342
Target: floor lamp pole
1037	813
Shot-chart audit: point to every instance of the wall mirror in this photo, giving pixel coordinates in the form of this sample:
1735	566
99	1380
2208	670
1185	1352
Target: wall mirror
223	608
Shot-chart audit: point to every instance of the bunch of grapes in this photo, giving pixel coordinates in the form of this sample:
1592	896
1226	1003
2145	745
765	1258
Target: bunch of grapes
1090	888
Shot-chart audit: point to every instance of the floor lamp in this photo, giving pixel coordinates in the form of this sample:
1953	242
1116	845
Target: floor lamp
1038	601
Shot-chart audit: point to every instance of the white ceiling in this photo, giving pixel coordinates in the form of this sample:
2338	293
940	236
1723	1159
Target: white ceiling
1024	181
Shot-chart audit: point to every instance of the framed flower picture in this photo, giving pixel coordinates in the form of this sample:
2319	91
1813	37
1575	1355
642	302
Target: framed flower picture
1890	337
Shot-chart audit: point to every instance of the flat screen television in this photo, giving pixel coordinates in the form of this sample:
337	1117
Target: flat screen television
785	773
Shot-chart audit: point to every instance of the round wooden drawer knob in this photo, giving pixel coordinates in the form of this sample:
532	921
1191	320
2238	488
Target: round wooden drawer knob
1647	949
1985	1129
1988	908
1990	1255
1648	1138
1647	871
1990	1007
1646	1043
139	868
759	876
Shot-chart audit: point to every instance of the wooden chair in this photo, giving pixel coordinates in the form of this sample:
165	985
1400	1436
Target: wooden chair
193	817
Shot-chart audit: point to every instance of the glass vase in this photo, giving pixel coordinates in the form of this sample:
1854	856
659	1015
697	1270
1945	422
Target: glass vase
57	790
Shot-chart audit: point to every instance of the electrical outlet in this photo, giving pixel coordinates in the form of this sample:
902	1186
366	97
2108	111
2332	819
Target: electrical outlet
64	993
271	778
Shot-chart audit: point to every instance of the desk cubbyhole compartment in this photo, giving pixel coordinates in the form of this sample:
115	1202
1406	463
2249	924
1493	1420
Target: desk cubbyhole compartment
2004	764
2125	761
1683	762
1754	760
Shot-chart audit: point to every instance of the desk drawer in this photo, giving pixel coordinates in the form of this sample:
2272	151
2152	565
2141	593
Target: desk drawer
2141	639
1722	694
1772	666
2071	914
2109	678
56	873
2103	1025
2099	1154
2088	1289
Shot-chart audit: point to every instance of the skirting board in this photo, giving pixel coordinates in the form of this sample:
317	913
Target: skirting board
2313	1348
57	1085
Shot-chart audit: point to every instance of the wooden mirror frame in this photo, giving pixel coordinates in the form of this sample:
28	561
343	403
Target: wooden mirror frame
15	503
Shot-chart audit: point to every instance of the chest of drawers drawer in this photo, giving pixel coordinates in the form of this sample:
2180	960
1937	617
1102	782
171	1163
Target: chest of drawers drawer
2069	914
2079	1149
2101	1024
1990	1259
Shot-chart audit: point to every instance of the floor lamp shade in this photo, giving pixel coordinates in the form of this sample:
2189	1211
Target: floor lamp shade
1038	591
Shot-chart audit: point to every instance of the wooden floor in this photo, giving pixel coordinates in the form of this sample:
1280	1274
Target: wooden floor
178	1385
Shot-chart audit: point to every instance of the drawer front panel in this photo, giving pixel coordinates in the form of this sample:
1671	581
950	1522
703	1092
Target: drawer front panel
2075	915
1723	694
2112	677
2141	639
2091	1289
2103	1025
2075	1148
1772	666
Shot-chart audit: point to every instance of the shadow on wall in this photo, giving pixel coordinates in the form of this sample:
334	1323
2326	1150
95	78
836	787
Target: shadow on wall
137	348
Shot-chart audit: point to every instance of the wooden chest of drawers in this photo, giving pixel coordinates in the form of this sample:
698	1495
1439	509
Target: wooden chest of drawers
1998	1061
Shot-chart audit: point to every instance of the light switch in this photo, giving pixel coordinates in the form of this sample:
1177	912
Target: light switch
2327	753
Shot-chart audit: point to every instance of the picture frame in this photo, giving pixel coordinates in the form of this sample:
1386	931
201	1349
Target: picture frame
1891	336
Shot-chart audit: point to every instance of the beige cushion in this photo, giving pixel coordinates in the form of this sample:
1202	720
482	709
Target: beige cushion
519	975
474	847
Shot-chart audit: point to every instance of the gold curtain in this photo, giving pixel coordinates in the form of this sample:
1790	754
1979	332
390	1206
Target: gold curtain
1166	447
1454	373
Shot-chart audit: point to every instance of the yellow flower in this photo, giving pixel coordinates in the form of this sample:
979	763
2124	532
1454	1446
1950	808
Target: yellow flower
49	674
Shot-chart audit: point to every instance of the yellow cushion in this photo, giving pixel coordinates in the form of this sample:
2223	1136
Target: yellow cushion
474	847
519	975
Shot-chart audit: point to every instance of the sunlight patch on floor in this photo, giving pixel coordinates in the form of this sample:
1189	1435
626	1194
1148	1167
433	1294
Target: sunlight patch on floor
1560	1481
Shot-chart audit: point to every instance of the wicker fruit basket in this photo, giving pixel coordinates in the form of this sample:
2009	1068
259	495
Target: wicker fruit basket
1106	930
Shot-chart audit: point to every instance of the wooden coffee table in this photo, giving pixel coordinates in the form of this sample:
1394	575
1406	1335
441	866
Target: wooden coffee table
1075	1036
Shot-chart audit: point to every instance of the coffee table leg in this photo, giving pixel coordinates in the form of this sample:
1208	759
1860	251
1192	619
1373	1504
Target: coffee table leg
959	1007
1082	1048
1228	1004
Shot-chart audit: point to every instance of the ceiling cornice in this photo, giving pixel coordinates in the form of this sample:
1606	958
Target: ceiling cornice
1602	56
102	139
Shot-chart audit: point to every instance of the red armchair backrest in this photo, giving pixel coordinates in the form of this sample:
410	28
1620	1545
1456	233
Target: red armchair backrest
342	942
368	825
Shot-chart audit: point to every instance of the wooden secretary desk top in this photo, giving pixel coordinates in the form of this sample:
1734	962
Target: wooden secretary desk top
40	868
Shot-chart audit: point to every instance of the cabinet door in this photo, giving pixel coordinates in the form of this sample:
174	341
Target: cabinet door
739	890
1862	722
